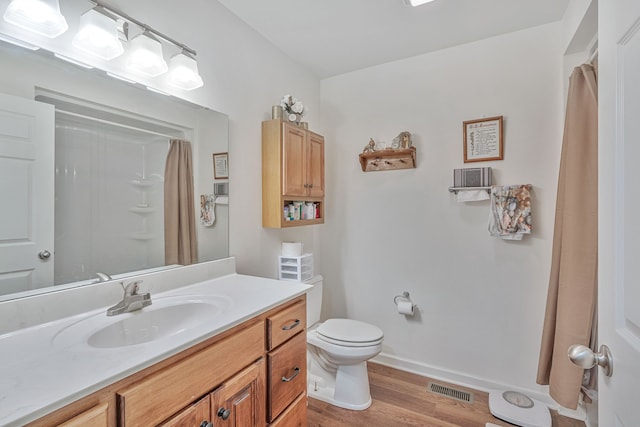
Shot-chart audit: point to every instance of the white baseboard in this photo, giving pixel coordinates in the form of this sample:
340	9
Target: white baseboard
476	383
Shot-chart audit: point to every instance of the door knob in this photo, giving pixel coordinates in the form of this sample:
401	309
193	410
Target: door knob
585	358
44	255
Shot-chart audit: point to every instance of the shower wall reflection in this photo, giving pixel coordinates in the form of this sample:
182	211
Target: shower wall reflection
109	199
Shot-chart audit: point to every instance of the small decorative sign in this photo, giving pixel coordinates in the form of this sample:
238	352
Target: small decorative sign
220	165
483	140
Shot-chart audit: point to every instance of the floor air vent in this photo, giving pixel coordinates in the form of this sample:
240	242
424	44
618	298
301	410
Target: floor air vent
451	392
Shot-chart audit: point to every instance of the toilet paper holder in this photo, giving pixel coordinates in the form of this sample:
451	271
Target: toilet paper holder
403	297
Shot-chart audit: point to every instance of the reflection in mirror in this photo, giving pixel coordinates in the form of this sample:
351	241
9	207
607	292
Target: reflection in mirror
106	160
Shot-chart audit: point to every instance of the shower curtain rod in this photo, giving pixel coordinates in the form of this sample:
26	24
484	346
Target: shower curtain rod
122	125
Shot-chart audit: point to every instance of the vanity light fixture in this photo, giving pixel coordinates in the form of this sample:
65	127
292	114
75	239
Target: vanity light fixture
101	33
17	42
415	3
145	55
98	34
73	61
39	16
183	72
124	79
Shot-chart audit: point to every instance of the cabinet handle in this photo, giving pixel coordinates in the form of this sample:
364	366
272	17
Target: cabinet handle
296	372
306	186
223	413
291	325
206	423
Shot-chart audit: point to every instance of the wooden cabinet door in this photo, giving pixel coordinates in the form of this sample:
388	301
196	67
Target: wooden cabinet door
315	169
195	415
295	415
241	401
294	170
97	416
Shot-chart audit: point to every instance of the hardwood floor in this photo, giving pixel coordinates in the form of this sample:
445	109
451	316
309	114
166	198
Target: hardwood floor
401	399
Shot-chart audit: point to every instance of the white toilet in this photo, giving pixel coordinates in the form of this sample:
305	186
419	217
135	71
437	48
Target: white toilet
337	354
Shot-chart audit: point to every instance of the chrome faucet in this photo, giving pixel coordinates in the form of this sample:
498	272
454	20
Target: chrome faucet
131	301
102	277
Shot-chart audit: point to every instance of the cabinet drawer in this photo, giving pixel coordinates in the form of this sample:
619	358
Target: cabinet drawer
286	323
287	367
163	394
295	415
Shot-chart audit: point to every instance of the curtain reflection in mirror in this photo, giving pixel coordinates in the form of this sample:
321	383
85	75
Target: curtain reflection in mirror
179	210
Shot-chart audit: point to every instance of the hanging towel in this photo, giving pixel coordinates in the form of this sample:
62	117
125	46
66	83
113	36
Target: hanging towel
472	195
510	211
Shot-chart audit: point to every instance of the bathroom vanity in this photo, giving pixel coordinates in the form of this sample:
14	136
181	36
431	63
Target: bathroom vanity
245	365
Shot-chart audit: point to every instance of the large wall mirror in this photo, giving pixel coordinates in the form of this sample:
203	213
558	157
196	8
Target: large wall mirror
98	202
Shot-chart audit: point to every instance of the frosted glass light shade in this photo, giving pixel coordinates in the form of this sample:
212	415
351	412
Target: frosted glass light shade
415	3
98	35
39	16
145	56
183	72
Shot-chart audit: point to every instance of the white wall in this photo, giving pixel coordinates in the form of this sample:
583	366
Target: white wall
481	299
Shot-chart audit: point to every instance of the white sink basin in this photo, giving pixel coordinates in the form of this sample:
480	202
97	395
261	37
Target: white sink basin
165	317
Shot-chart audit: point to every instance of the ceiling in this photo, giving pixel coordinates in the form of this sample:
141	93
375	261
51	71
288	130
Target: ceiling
332	37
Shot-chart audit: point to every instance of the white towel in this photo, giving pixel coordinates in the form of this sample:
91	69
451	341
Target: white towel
510	211
471	195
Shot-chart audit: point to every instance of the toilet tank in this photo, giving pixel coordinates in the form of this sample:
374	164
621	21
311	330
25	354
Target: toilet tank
314	300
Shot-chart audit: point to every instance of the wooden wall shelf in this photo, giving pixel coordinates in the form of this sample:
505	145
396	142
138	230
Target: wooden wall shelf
385	160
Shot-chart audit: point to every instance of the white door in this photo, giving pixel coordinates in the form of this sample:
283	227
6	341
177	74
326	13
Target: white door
619	209
27	132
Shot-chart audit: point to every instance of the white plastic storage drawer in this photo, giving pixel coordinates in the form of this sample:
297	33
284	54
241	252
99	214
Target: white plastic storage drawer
297	268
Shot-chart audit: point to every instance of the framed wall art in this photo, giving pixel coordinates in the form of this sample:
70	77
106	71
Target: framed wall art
483	140
220	165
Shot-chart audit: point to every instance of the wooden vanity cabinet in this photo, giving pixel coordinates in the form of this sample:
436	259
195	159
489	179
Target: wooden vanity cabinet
292	171
231	380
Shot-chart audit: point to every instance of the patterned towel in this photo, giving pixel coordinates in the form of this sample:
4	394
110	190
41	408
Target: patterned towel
510	211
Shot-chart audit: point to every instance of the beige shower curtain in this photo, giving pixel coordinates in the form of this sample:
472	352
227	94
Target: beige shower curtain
571	300
179	210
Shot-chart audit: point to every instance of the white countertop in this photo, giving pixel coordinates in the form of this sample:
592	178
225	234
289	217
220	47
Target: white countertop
38	376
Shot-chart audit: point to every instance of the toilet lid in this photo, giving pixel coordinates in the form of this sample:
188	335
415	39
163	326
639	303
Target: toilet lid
350	331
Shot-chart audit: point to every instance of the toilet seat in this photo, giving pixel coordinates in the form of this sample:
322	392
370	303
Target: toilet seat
349	333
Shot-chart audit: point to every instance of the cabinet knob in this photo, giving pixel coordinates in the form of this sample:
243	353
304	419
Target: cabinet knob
206	423
224	413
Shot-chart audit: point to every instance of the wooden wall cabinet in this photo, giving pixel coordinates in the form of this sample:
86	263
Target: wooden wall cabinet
224	382
292	170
